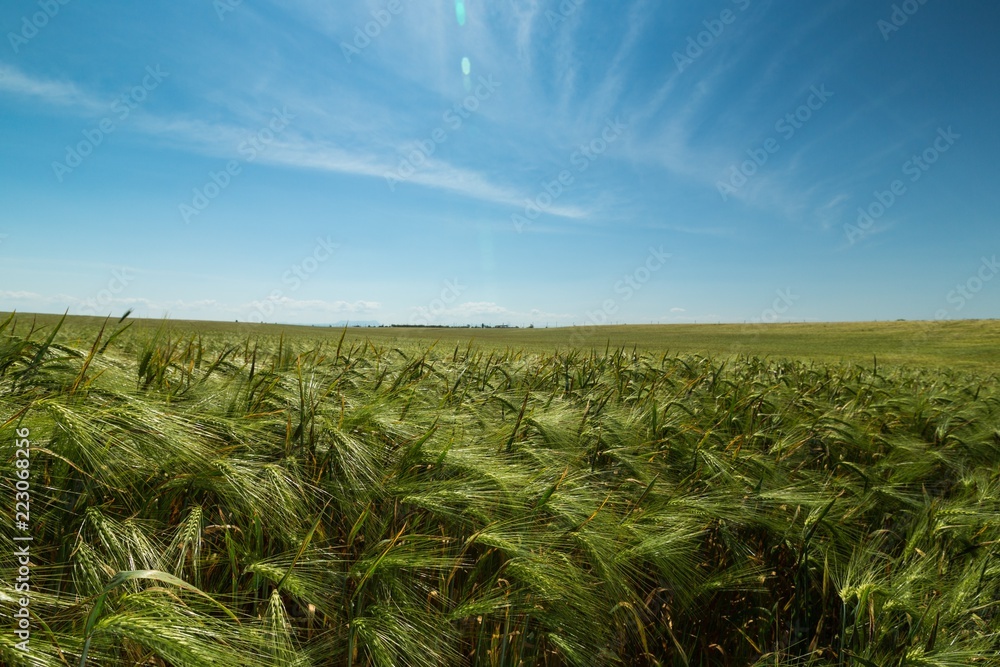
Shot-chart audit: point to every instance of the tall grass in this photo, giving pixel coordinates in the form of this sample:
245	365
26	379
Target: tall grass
256	501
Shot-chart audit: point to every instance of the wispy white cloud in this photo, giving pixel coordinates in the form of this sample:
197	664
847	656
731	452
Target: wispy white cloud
282	308
19	294
317	306
58	93
525	13
76	304
292	149
484	310
606	99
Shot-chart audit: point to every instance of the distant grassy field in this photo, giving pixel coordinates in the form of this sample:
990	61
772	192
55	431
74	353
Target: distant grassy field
972	345
204	494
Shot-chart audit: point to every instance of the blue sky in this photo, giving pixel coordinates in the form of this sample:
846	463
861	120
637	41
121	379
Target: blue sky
517	161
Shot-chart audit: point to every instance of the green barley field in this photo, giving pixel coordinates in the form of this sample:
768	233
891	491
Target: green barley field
233	494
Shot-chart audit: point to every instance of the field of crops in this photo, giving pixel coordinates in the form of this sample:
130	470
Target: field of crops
213	498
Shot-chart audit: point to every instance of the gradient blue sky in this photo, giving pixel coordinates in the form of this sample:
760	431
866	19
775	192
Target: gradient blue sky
311	131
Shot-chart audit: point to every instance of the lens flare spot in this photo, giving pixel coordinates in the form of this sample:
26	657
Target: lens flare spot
460	12
466	66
